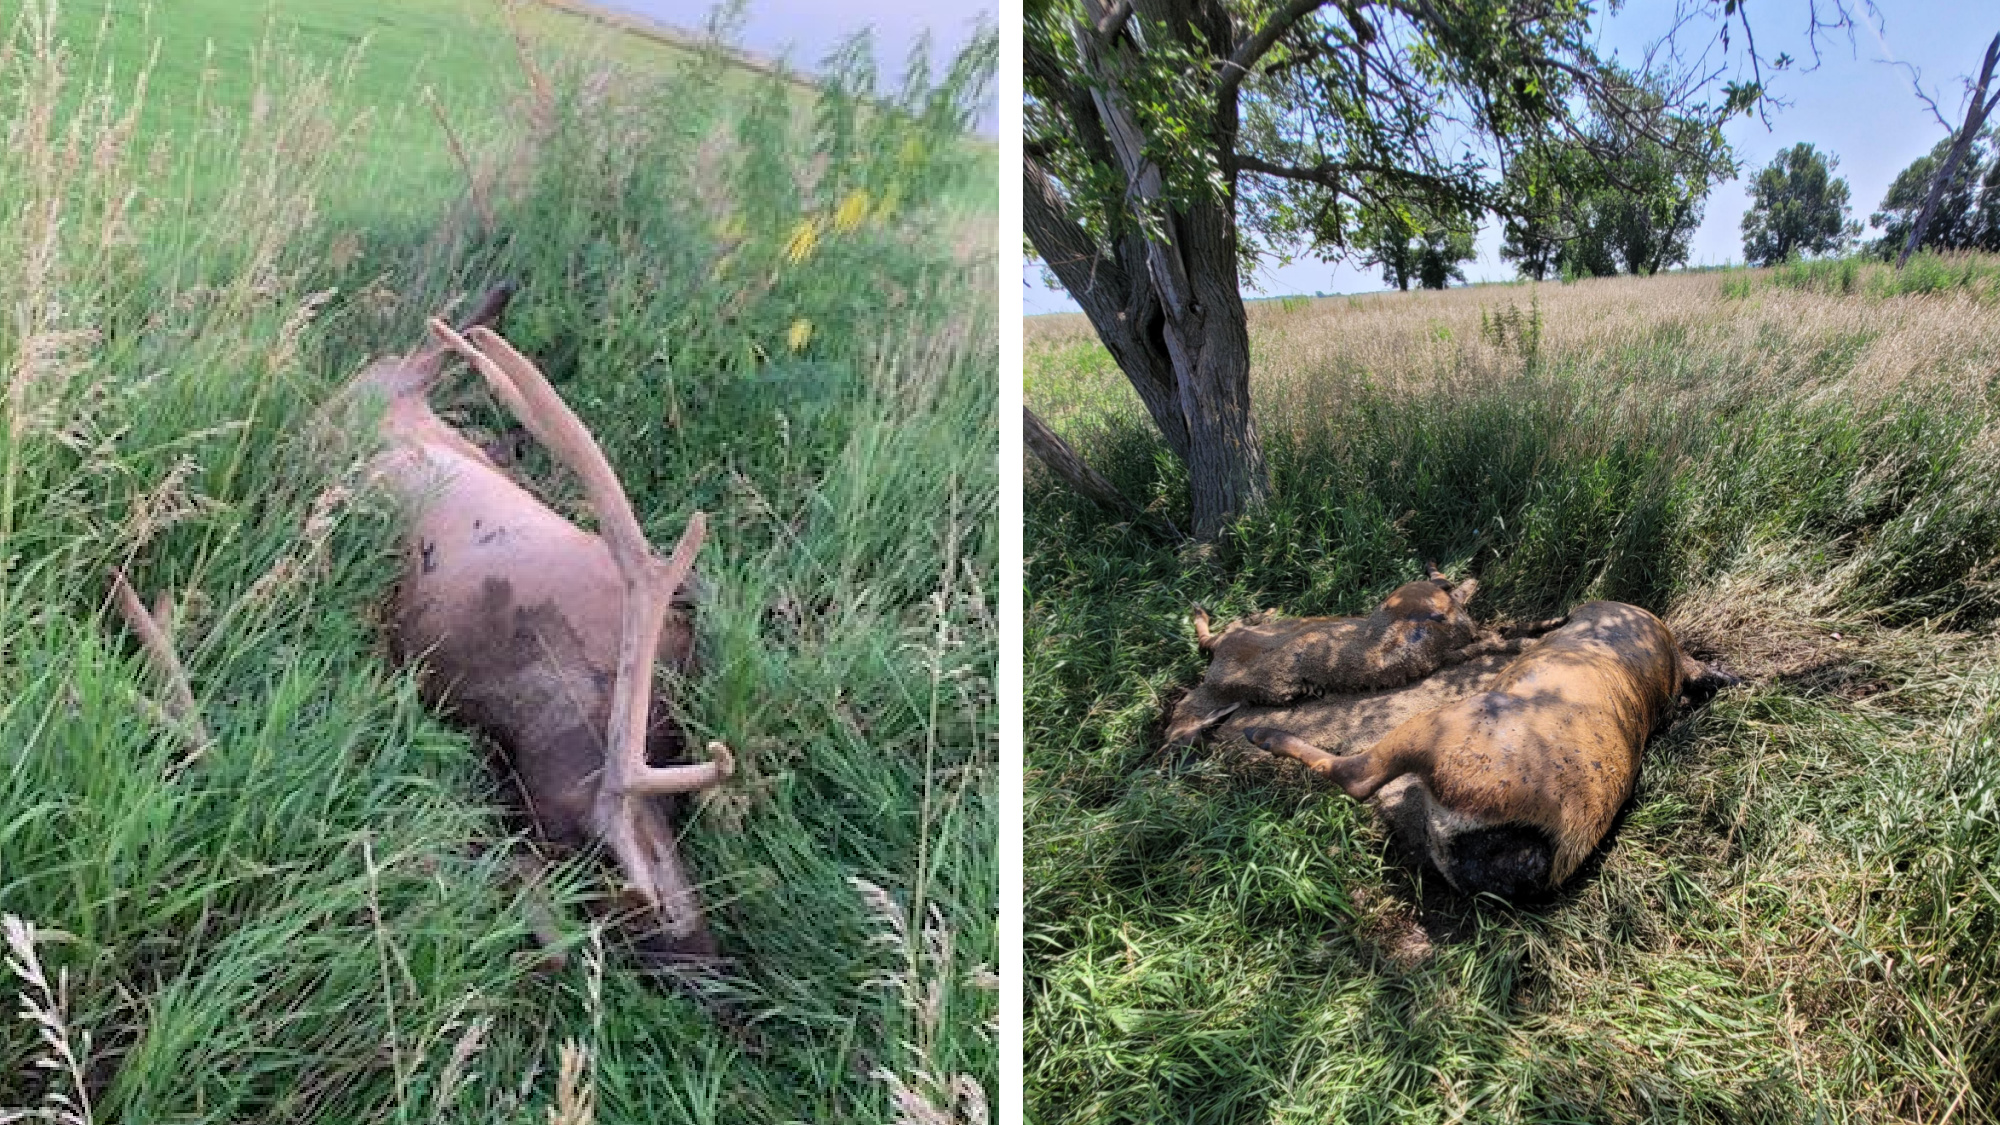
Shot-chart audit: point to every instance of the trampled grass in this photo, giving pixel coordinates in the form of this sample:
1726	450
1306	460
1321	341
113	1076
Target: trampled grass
1798	917
312	918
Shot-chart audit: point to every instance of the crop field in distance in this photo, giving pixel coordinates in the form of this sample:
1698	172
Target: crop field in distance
771	300
1798	916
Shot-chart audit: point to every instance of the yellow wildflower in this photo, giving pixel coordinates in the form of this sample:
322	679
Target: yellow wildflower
852	210
800	335
805	237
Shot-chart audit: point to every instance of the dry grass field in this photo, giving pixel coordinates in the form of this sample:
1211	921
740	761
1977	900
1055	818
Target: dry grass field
1798	916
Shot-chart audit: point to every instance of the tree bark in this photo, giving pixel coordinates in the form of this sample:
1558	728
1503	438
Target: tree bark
1975	119
1061	459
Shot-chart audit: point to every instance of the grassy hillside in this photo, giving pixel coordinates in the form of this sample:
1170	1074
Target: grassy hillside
1798	917
770	304
395	69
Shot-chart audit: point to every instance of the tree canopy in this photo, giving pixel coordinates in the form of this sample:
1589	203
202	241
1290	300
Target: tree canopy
1798	207
1171	142
1624	197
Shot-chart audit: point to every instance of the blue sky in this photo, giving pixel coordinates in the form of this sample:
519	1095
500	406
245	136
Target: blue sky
802	32
1856	105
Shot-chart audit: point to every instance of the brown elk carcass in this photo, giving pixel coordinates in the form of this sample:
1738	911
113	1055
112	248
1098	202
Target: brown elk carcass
538	633
1511	788
1423	626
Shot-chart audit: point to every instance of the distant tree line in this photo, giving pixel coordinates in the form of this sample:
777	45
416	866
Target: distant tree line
1799	208
1575	214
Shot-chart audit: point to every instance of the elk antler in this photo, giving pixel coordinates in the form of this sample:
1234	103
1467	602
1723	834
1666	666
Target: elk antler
649	586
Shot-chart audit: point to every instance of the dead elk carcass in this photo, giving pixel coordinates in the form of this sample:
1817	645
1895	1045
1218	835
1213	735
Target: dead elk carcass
538	633
1510	789
1421	627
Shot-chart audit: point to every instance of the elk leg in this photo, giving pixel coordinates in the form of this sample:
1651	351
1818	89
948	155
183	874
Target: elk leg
1535	628
1700	682
1360	775
1203	639
1292	746
1485	647
151	630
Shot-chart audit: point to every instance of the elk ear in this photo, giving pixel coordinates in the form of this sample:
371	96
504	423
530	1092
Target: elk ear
1462	593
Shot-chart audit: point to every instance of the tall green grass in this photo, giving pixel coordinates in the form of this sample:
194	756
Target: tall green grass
313	918
1798	917
1977	275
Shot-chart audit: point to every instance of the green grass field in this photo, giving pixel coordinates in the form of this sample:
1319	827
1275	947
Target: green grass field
393	69
1798	918
770	303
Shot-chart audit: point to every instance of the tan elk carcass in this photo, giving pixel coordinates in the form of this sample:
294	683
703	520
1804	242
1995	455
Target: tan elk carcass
1511	788
538	633
1421	627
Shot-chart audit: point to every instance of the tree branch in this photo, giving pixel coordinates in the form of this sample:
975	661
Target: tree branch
1066	247
1328	173
1060	458
1976	109
1238	65
1917	86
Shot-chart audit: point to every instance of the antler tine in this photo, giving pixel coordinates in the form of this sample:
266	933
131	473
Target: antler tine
499	380
555	425
426	362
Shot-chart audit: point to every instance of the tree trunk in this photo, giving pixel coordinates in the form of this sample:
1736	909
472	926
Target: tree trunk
1226	472
1051	450
1192	370
1165	301
1975	119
